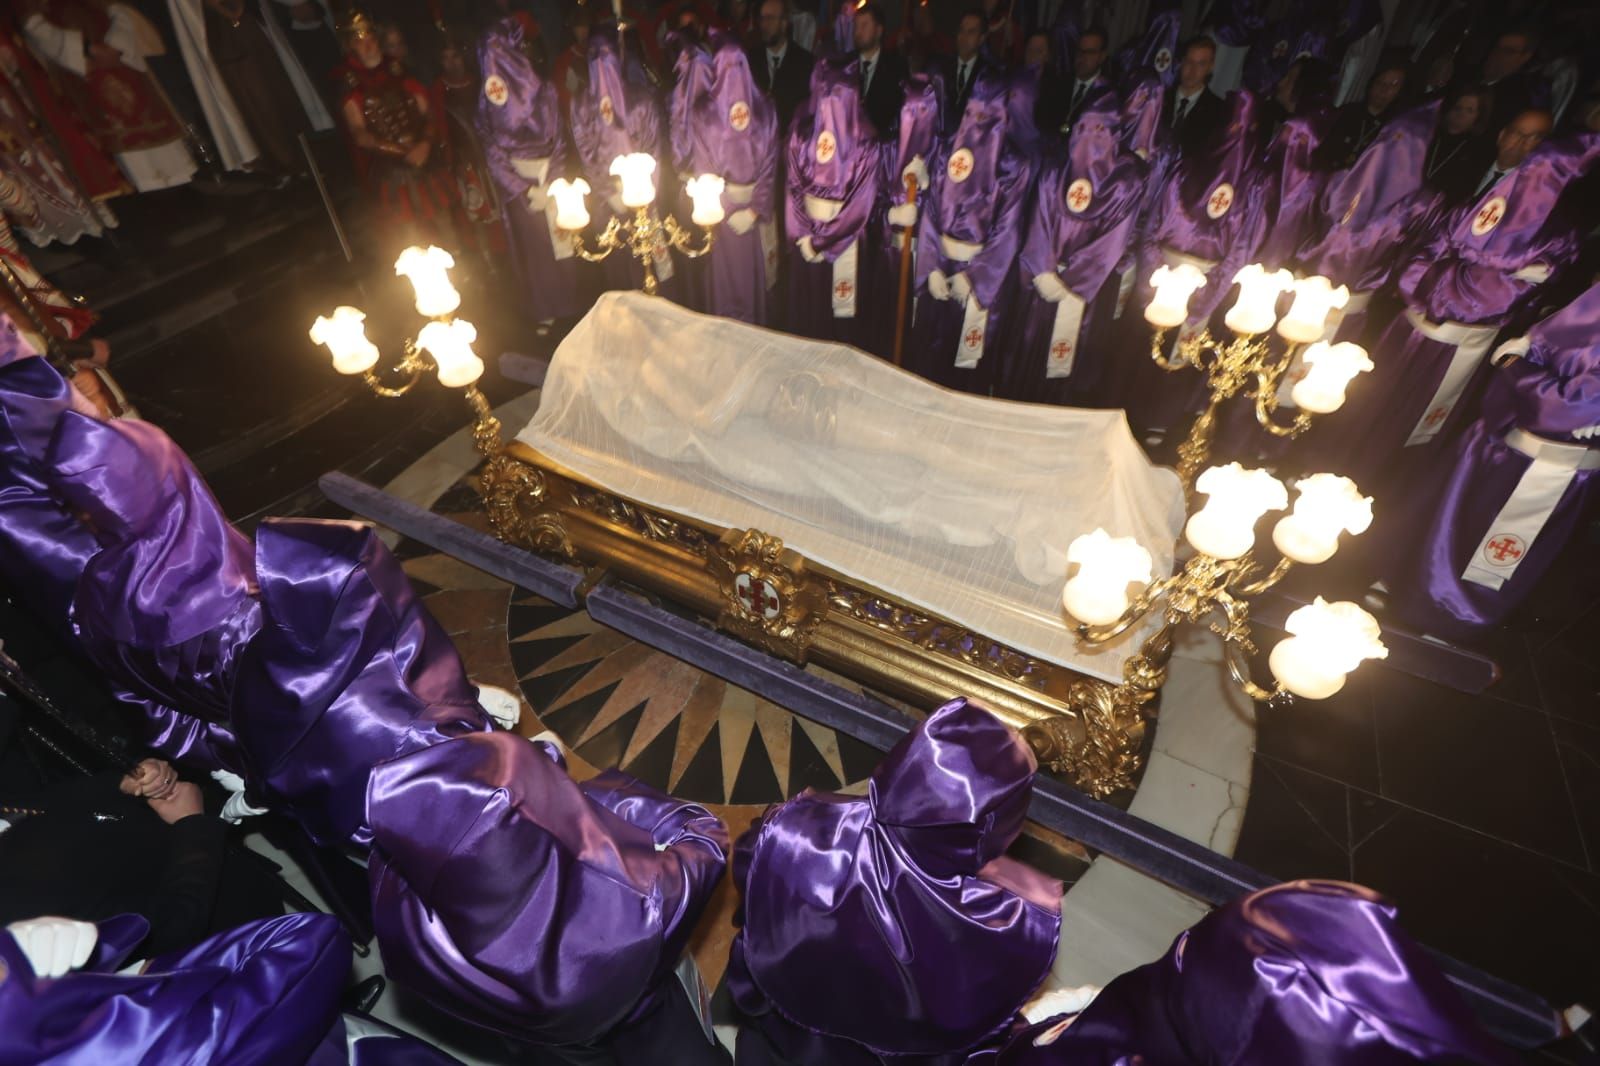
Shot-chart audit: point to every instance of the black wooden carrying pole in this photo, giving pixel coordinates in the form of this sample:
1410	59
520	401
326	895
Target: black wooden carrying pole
1514	1014
14	680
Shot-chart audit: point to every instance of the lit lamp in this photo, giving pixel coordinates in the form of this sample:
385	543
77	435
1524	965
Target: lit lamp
444	344
428	270
1330	368
1327	506
706	192
1098	593
635	171
1314	298
1257	307
1174	287
1237	498
646	235
346	337
571	214
1326	642
450	345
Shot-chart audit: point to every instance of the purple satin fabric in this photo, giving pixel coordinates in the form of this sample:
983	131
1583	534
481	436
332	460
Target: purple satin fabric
349	670
1280	43
1143	131
1551	391
893	923
265	993
735	276
986	209
356	1040
165	607
1154	56
691	80
43	546
528	126
1234	22
1083	249
1290	188
917	133
519	900
852	176
635	124
1374	208
1303	972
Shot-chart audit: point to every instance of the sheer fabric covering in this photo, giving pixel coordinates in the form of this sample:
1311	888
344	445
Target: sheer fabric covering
960	505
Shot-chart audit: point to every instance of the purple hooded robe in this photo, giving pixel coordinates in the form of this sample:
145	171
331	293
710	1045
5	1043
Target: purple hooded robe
911	151
519	125
734	130
930	939
1290	189
1302	972
512	896
834	176
1082	223
970	231
263	994
1154	55
1369	211
1513	492
1485	263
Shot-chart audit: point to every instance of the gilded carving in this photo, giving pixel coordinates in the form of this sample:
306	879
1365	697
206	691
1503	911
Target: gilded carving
937	635
771	599
642	521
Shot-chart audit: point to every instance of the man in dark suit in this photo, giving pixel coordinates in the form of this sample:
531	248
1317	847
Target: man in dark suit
882	71
1192	110
1505	74
780	66
1062	100
962	71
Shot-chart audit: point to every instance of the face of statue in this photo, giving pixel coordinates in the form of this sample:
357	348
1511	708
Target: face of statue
1520	137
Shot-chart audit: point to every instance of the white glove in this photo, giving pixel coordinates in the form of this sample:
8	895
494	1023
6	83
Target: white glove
53	946
504	706
918	168
236	809
551	739
810	253
1059	1001
961	286
538	199
1049	287
742	221
617	206
903	215
938	285
228	780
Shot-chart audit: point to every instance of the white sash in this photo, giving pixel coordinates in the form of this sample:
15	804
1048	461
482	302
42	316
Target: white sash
1471	344
1354	306
535	172
969	344
844	282
1525	513
1064	336
960	251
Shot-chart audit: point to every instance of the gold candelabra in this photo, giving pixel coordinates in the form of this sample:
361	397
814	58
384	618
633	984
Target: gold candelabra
645	236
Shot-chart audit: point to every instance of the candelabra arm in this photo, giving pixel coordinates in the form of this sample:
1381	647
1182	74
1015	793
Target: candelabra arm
485	426
413	366
1189	349
1194	452
1266	404
1237	647
1256	588
682	238
609	240
1136	611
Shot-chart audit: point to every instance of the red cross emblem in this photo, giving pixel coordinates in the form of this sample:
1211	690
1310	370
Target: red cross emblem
960	165
842	290
608	113
1079	193
1488	216
973	338
756	596
1435	416
1220	201
1504	549
1163	60
739	116
826	147
1060	350
495	89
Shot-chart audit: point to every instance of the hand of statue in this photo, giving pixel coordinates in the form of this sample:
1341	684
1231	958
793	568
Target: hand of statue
417	154
180	804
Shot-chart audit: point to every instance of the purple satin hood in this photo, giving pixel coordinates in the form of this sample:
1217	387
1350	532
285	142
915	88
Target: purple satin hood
1153	56
738	155
1303	972
967	207
264	994
1529	193
515	898
1291	187
1229	157
43	546
635	122
929	939
1093	151
165	607
528	125
691	74
835	108
921	119
1277	47
1143	131
349	670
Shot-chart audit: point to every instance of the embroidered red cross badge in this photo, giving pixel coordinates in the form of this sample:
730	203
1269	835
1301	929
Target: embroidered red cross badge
1504	549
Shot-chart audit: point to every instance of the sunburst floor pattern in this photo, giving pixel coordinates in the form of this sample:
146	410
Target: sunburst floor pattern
616	702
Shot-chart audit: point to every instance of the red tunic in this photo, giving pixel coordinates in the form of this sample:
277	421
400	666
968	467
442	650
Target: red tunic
91	165
387	98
